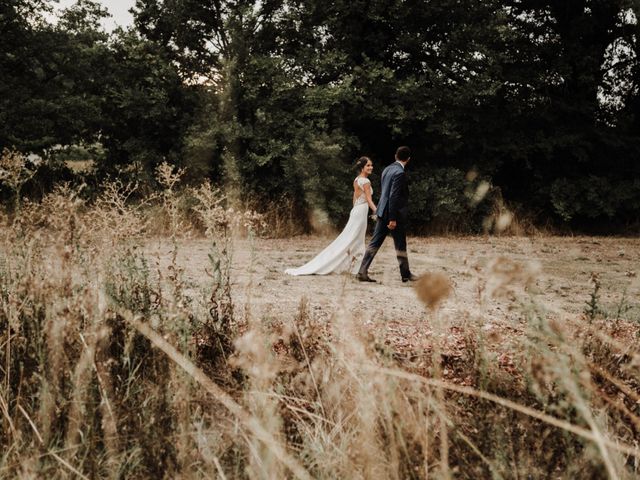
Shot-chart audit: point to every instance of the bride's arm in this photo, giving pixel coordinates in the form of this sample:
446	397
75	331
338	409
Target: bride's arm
367	194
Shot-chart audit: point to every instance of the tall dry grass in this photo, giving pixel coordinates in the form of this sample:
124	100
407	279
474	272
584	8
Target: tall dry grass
113	368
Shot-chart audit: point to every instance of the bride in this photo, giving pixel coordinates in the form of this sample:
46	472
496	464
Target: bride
346	251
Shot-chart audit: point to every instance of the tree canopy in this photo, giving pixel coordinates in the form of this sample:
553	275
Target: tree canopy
278	97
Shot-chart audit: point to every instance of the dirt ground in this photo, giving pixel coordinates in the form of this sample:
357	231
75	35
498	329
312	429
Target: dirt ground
553	273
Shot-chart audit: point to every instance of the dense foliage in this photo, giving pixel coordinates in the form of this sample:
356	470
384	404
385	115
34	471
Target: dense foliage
541	98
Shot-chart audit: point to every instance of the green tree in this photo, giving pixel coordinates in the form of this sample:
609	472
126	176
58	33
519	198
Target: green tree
278	97
263	128
570	133
146	109
50	89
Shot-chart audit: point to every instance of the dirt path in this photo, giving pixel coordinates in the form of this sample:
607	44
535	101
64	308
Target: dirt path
560	269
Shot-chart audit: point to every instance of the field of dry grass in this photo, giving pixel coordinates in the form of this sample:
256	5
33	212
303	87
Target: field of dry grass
133	351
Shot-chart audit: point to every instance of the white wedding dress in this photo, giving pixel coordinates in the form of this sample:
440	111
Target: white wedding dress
346	251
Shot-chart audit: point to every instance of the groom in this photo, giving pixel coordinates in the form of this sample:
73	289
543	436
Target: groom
392	217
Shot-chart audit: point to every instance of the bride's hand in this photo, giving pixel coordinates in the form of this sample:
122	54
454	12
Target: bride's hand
374	209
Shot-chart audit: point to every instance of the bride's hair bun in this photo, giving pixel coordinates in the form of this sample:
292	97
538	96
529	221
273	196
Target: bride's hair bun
360	163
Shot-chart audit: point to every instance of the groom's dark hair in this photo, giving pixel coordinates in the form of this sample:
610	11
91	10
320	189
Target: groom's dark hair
403	153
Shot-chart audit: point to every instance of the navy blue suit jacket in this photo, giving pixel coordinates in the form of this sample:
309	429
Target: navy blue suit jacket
394	198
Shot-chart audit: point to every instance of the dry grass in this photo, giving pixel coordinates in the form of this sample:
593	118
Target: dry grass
117	364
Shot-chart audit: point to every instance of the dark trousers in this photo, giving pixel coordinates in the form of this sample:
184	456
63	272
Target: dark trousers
399	235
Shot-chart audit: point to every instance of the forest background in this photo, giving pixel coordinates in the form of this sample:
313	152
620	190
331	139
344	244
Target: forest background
534	102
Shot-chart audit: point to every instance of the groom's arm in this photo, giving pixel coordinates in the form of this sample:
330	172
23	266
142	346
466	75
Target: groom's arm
397	186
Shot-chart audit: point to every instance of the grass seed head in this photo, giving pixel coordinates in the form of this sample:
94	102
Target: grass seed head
433	288
506	276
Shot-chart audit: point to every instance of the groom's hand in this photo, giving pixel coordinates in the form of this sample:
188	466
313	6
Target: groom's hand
392	225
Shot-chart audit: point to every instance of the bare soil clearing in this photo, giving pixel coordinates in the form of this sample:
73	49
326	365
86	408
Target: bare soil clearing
558	269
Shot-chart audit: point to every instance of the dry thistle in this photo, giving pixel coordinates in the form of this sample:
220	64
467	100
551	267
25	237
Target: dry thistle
14	172
115	217
218	220
210	209
433	288
167	177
